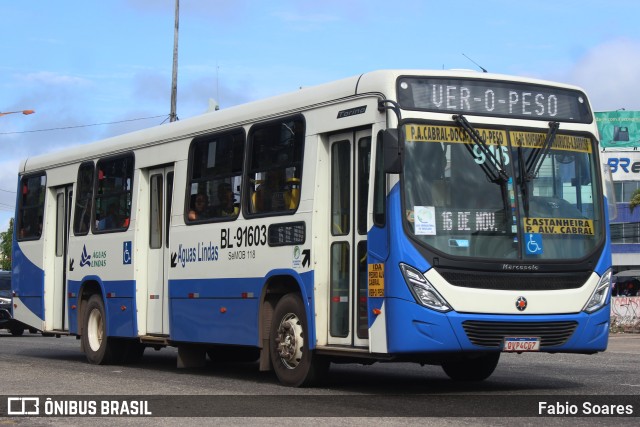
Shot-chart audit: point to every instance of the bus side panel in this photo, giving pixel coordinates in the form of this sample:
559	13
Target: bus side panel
221	311
122	322
120	306
215	320
226	311
28	283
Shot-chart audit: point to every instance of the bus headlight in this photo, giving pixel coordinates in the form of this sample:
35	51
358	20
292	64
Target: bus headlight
599	296
422	290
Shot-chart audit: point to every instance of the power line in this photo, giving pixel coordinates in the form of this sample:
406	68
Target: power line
82	126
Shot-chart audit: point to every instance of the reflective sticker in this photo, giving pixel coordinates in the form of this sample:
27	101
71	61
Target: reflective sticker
425	220
376	280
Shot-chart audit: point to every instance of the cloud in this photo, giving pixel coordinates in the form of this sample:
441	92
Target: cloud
52	79
610	73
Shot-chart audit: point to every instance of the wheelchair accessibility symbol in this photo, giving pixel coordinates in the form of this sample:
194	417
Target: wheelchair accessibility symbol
126	253
533	243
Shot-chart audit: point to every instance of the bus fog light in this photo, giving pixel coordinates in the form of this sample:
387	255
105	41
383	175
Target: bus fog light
424	293
599	296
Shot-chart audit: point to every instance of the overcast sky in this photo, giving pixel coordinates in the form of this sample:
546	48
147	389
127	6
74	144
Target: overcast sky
93	62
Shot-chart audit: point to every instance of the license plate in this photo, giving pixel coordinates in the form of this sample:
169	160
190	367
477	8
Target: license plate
521	344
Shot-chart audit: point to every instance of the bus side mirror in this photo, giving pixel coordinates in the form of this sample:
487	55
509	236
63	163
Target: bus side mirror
391	146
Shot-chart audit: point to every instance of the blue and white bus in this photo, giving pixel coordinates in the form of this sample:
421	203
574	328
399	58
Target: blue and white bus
438	217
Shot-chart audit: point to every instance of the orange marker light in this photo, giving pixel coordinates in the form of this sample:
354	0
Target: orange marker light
376	311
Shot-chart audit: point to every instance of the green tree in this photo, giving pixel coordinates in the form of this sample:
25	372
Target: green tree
635	200
6	241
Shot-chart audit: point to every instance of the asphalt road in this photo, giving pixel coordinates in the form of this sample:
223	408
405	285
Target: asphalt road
391	393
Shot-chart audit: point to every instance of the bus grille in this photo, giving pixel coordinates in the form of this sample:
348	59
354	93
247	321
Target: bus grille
491	334
521	282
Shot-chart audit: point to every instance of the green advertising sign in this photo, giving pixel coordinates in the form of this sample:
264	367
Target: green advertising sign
619	129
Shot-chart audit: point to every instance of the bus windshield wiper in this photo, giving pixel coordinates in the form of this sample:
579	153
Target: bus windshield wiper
493	168
536	157
530	168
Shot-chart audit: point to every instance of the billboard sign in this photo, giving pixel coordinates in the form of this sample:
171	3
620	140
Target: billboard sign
619	129
625	165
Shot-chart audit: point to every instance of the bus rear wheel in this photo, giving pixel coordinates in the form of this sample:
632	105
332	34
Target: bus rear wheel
294	363
472	367
99	349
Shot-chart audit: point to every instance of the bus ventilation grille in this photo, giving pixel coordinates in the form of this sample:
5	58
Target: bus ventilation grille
509	282
492	334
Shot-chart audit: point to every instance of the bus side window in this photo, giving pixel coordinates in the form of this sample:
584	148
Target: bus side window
84	199
114	192
275	166
215	174
31	209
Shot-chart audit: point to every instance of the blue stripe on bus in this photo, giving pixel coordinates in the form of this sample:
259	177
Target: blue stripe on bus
27	280
226	311
120	308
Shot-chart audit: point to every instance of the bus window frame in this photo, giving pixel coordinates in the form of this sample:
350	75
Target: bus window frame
94	225
18	222
248	171
204	139
77	195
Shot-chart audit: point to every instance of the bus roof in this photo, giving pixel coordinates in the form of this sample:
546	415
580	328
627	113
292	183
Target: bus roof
376	83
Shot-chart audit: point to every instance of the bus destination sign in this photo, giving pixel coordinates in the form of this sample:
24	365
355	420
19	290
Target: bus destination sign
494	98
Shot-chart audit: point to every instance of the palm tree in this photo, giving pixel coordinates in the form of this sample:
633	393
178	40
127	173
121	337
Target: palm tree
635	200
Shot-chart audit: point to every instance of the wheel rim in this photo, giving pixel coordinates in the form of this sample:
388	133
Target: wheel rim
290	341
95	330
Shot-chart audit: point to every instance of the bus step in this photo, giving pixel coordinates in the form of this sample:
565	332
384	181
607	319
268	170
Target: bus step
155	339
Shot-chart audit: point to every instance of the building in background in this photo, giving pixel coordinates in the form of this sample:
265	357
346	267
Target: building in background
620	142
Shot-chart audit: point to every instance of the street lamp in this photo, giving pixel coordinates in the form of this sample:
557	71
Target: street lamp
25	112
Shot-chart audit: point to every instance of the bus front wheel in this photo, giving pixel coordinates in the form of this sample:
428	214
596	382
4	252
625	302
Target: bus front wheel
295	365
472	368
99	349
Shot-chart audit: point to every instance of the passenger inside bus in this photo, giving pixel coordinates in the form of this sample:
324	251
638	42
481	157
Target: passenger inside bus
110	221
199	207
270	194
227	205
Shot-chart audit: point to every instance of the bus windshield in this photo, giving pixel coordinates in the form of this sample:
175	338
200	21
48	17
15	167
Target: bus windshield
528	194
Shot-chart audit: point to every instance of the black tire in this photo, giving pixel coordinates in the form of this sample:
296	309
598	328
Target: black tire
472	367
17	332
295	365
99	349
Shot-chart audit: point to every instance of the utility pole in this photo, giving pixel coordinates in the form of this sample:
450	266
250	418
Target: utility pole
174	79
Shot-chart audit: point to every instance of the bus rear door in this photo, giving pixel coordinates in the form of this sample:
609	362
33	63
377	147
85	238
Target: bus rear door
161	193
63	198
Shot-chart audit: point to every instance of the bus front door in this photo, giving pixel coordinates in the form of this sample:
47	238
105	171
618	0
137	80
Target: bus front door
349	175
160	196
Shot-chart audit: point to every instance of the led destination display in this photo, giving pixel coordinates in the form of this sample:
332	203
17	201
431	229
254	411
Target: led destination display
495	98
